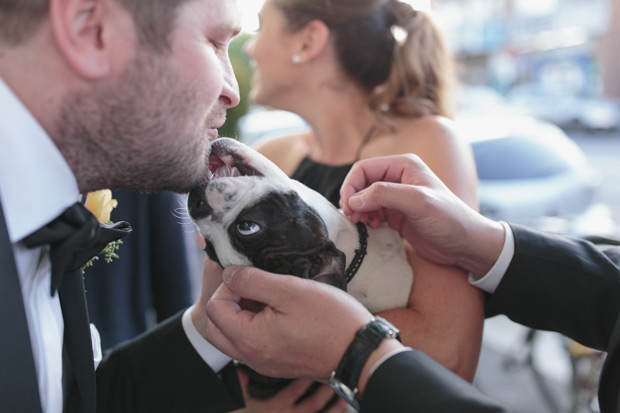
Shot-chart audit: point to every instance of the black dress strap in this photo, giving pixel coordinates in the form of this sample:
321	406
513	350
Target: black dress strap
325	179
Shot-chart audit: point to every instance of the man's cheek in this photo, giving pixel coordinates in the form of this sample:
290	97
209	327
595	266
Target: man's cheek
212	77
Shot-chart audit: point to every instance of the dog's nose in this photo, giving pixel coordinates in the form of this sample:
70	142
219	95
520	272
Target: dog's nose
197	204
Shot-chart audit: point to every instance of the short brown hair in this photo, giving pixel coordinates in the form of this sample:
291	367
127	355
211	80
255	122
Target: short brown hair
20	18
154	19
405	76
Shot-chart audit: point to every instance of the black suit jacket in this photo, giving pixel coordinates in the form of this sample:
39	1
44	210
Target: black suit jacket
553	283
156	372
160	371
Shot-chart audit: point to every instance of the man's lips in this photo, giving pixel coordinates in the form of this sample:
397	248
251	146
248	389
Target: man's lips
213	134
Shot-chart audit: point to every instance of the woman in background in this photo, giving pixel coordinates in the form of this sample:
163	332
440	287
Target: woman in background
371	78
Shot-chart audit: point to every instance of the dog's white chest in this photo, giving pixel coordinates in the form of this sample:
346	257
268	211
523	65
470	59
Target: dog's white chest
385	278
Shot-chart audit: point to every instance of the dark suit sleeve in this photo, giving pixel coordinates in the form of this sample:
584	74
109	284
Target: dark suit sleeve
413	382
561	284
160	371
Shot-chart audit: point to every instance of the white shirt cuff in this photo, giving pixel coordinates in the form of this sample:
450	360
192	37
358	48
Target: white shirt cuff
491	280
387	356
207	351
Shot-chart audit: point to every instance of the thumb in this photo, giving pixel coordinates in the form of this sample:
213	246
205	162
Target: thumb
244	379
258	285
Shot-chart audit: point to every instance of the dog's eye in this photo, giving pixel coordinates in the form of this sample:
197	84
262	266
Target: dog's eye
248	227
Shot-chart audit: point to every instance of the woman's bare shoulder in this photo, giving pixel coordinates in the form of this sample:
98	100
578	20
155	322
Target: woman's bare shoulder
438	142
286	151
436	128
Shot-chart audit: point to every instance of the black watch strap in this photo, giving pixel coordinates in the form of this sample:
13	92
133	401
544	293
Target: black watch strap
346	376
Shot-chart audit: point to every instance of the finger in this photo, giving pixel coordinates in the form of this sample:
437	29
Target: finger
339	407
211	277
244	379
267	288
399	197
365	173
358	178
216	337
211	268
223	307
317	400
291	393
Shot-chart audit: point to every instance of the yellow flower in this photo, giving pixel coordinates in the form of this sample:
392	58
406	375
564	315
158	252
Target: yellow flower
100	203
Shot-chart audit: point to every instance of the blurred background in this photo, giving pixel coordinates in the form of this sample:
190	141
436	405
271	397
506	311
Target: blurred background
539	100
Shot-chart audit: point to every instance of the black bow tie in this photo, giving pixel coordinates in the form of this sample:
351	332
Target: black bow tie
74	238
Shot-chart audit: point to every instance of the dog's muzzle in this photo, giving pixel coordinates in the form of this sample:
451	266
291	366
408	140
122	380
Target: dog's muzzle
197	204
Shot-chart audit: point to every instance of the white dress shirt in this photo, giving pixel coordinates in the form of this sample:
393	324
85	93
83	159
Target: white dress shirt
209	353
36	185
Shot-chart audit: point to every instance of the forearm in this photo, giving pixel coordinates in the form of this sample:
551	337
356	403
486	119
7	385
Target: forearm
444	317
453	345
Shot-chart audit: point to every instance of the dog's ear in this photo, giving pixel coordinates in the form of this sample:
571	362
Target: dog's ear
326	264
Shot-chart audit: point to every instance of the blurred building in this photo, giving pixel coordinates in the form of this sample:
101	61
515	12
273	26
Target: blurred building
573	44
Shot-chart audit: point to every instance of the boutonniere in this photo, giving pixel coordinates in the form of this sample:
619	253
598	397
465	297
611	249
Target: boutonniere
100	204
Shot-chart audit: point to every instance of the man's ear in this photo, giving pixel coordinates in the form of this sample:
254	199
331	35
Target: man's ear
313	39
78	29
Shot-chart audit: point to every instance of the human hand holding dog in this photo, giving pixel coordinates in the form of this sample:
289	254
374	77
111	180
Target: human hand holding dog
303	330
402	191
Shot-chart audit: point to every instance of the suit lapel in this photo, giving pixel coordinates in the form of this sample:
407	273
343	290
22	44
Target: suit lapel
77	342
18	378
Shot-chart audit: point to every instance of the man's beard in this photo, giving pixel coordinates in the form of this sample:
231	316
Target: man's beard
144	132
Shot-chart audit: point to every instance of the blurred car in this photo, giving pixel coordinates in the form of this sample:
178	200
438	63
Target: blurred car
564	108
260	123
530	172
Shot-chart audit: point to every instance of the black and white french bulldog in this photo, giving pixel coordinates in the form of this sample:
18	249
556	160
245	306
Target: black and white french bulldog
251	213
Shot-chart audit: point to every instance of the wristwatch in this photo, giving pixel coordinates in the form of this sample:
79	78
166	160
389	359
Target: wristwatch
346	376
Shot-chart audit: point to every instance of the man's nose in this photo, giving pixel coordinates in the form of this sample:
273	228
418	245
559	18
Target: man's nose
230	90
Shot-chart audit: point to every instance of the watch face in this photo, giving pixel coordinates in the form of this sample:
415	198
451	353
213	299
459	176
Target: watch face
394	333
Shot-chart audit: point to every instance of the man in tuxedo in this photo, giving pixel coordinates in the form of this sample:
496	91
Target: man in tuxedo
120	94
540	280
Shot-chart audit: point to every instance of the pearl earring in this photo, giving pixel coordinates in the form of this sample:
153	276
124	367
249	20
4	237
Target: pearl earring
296	59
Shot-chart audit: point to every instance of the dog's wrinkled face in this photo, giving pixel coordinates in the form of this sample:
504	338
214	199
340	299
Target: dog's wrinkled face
251	213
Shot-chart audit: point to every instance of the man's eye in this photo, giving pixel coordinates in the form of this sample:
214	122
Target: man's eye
248	227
